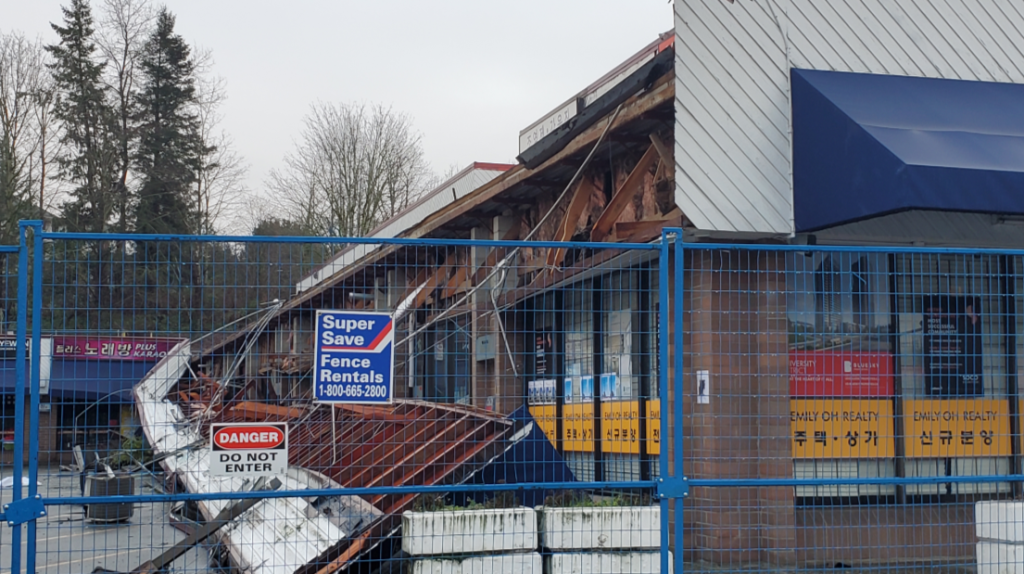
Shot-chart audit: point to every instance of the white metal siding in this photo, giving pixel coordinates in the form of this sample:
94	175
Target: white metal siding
732	140
435	201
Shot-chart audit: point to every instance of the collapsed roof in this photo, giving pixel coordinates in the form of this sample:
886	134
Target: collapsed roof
407	443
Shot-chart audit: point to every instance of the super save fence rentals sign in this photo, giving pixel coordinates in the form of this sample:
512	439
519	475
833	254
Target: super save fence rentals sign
248	449
354	357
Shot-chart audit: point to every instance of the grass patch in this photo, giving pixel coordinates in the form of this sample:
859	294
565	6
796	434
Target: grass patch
580	499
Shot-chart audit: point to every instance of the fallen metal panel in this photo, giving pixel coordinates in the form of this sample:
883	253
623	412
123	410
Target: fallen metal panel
404	444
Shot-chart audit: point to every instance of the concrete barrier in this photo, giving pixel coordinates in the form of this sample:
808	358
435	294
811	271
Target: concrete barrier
605	563
601	528
529	563
1000	530
469	531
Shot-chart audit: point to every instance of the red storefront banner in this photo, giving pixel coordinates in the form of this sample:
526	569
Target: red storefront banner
840	374
117	349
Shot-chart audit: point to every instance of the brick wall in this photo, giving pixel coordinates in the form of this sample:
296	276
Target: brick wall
735	328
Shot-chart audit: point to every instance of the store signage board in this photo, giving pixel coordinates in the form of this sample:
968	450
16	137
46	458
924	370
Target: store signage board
9	355
842	428
843	373
951	428
119	349
248	449
354	357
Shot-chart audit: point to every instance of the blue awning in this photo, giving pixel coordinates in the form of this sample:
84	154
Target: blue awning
85	379
867	145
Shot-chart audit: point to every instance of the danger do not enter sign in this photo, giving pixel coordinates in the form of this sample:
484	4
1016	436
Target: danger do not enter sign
248	449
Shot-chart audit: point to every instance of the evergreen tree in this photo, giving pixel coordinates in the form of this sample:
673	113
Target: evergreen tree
170	150
86	117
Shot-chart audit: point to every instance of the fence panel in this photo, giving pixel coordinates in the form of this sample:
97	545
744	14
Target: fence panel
521	413
10	544
851	407
554	406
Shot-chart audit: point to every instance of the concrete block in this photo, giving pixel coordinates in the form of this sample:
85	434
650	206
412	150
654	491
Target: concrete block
493	564
469	531
1000	521
1000	558
605	563
605	528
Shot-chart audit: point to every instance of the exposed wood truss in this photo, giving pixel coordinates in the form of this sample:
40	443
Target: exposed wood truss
572	216
663	152
457	279
603	227
637	230
435	279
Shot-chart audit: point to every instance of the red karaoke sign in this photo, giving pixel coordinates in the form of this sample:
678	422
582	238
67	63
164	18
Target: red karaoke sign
112	348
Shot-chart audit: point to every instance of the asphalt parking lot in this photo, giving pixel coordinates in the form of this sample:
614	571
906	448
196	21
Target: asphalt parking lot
68	544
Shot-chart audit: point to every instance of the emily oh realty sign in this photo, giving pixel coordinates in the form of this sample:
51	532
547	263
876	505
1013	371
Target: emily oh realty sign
248	449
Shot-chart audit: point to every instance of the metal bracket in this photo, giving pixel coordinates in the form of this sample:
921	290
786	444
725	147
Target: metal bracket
24	510
672	487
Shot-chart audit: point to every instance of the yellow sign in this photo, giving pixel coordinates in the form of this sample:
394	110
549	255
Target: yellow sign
842	428
653	427
941	428
578	427
545	415
620	425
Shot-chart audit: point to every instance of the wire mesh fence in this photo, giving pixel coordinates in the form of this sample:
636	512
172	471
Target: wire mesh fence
867	407
304	405
329	405
8	372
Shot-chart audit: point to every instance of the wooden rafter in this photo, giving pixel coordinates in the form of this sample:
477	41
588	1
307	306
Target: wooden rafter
663	151
623	195
579	201
458	278
625	230
421	276
436	278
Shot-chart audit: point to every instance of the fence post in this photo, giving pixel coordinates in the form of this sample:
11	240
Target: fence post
33	436
19	392
677	406
663	318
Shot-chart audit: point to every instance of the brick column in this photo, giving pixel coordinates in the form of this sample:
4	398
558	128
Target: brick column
736	328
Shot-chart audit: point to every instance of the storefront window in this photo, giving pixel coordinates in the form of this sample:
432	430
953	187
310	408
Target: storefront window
620	376
578	412
841	371
953	363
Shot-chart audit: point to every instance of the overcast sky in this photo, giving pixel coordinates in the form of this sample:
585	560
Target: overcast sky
471	74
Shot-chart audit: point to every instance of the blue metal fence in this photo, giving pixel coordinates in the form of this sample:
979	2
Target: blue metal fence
8	316
475	426
733	407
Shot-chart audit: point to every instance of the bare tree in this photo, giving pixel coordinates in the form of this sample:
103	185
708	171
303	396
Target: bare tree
220	184
27	145
353	167
124	27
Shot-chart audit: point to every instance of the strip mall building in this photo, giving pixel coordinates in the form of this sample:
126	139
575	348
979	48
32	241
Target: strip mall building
861	129
85	392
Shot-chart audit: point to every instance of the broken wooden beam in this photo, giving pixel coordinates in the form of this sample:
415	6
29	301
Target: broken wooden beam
663	151
252	409
432	283
579	201
628	231
623	195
